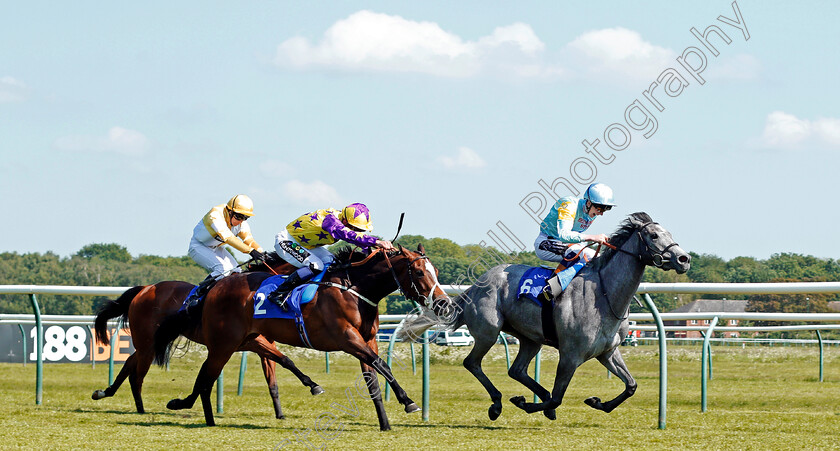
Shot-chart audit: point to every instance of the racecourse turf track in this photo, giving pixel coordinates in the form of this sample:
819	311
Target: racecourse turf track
759	398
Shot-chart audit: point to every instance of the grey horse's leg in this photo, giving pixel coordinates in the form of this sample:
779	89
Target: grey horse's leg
615	363
519	372
473	364
565	370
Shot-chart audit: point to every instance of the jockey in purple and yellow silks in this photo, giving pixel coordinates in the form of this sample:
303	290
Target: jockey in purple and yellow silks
561	232
223	224
303	242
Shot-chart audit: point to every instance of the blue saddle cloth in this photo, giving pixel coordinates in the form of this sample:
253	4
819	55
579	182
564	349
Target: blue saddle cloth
263	308
532	283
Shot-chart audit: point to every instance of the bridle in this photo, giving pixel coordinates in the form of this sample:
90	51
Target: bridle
651	258
425	300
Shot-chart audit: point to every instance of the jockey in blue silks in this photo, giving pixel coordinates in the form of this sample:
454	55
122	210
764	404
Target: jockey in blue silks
561	235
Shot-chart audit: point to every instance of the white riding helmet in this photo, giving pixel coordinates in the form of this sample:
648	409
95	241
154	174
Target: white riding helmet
600	194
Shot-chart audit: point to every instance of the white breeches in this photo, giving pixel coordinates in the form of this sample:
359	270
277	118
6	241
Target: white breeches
291	251
558	251
216	260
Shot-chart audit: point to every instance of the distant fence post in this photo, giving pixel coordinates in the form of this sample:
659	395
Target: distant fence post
507	351
23	340
39	346
413	358
703	381
243	363
426	387
93	341
819	338
663	360
114	336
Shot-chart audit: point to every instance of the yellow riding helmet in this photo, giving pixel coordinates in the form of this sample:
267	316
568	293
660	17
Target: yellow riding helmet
358	216
241	204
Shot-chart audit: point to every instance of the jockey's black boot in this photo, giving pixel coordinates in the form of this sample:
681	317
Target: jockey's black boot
278	296
545	295
203	289
552	286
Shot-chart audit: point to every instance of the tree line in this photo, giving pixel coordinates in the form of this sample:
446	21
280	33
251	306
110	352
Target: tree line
112	265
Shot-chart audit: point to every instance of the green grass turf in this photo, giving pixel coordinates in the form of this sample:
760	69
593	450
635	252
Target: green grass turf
759	398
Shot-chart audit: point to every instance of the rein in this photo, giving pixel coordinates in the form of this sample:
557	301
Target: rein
428	299
655	258
349	290
393	273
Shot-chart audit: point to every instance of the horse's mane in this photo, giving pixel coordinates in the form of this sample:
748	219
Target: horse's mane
349	254
620	236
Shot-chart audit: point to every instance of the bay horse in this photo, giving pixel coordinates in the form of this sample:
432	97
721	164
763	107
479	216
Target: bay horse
144	307
343	316
589	316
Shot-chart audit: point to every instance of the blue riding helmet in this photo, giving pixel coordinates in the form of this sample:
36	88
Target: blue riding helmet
600	194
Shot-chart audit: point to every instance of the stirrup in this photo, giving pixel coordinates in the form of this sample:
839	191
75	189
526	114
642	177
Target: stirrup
545	294
552	286
279	298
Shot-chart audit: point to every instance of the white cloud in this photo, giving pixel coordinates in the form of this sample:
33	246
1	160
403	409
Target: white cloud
369	41
12	90
620	52
828	129
315	192
465	158
786	131
118	140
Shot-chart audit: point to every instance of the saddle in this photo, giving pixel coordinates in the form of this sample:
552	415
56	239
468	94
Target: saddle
534	281
301	294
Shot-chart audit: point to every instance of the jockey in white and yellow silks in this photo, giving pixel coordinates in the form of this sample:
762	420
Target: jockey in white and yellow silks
303	242
561	232
224	224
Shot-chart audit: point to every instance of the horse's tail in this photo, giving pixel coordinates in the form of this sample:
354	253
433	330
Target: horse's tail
112	309
448	316
172	327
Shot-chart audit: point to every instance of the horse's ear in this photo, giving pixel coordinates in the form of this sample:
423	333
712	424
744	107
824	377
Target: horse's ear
421	249
399	246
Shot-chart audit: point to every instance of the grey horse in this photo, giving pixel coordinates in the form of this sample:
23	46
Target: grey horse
590	315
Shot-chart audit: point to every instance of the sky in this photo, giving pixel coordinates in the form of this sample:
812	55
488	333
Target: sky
125	122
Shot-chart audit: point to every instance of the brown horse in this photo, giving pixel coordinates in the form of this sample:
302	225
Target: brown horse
144	307
343	316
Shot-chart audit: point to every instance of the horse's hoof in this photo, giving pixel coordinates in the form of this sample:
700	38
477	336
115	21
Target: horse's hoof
518	401
175	404
551	414
98	394
281	417
411	408
494	411
594	402
316	390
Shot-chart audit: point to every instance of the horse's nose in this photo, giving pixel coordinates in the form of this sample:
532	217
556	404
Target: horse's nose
684	258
